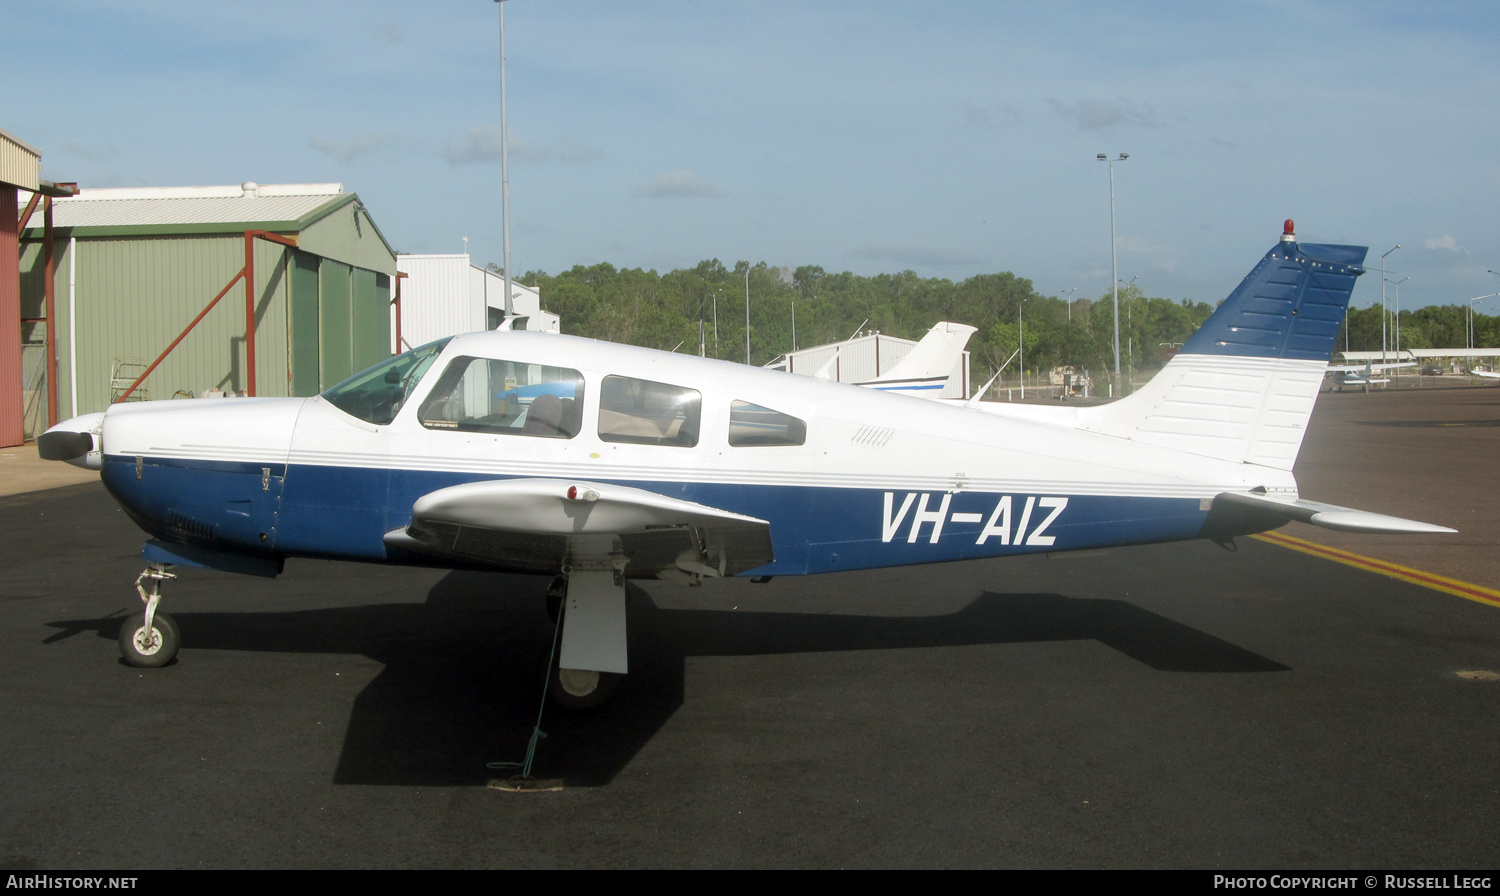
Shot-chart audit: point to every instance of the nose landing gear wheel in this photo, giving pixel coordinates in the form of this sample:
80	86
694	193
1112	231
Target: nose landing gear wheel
153	649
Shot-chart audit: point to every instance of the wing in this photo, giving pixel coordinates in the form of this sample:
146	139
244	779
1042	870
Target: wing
1487	374
545	525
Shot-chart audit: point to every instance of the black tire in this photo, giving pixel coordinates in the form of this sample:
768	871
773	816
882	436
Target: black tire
153	652
557	592
580	690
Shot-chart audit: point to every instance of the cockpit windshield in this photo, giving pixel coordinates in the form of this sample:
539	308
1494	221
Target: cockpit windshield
377	394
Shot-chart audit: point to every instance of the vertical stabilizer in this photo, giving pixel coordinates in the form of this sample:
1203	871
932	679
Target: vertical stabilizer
926	369
1243	387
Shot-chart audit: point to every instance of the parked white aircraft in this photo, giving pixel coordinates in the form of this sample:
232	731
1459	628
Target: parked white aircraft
1364	374
924	371
600	462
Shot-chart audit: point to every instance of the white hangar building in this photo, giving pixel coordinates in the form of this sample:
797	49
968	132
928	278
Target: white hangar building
444	295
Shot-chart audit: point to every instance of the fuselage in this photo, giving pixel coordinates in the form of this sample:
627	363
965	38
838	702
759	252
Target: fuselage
848	478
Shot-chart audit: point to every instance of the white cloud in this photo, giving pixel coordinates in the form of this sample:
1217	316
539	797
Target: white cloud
990	117
477	144
348	149
919	257
482	144
681	183
1093	115
567	152
1446	241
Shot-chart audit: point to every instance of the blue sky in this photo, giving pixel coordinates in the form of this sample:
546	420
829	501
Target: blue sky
951	138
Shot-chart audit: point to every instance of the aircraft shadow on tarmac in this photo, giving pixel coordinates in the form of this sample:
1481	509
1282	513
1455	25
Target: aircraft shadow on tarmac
1429	424
461	680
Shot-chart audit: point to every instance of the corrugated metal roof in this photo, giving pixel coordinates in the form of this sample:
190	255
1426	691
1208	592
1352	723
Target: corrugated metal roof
20	163
169	206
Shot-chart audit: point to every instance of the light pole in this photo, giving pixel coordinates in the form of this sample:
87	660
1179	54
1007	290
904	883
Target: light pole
1114	267
1472	334
1382	301
747	312
1397	284
504	170
1069	300
1021	325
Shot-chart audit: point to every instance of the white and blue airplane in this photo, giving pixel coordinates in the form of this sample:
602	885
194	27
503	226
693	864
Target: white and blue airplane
1363	374
633	463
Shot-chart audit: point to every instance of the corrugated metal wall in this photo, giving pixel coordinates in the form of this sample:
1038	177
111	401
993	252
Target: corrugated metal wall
317	321
134	295
11	432
302	322
861	359
437	299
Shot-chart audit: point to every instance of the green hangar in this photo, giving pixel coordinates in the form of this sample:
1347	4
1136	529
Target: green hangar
259	289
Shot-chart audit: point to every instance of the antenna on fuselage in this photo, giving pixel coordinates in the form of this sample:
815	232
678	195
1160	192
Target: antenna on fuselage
974	399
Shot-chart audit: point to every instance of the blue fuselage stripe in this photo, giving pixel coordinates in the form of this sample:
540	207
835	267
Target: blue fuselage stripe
327	511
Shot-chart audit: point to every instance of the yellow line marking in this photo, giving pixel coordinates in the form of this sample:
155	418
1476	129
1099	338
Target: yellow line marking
1466	590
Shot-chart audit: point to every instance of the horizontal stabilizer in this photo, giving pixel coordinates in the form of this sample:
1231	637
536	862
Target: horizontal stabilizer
1329	516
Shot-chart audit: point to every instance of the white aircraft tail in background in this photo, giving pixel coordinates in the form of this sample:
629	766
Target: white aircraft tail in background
926	369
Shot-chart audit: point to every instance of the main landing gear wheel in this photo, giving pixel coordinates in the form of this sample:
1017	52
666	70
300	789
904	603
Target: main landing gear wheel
581	690
153	649
584	689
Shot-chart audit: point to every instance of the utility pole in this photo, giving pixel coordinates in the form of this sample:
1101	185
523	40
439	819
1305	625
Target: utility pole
1114	265
1382	301
504	171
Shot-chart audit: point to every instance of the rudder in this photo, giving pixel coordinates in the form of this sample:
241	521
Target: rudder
1243	387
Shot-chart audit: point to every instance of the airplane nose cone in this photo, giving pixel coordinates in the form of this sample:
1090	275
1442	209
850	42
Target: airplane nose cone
203	471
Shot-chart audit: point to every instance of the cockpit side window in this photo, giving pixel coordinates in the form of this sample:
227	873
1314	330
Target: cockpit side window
642	412
751	425
377	394
506	397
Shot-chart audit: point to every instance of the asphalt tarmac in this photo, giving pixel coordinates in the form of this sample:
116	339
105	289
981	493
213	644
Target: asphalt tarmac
1172	706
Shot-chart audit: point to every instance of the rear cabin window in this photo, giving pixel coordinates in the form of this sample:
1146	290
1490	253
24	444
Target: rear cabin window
642	412
506	397
751	425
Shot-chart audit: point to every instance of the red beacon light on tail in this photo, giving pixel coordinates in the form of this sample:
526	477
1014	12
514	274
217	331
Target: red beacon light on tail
1288	234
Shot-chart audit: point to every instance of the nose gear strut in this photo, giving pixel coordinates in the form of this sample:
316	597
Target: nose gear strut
150	639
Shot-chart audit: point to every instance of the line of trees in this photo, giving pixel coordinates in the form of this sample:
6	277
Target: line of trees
643	307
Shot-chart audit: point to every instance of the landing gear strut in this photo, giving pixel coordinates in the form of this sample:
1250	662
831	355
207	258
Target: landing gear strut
149	639
588	665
